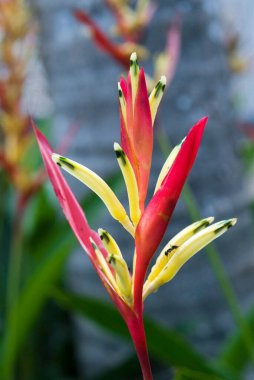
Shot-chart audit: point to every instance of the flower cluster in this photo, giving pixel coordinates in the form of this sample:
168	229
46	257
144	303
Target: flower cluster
145	223
131	19
17	37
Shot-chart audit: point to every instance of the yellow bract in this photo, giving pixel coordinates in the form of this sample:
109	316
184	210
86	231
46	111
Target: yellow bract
131	183
109	243
122	279
156	96
134	72
174	244
182	253
167	165
99	187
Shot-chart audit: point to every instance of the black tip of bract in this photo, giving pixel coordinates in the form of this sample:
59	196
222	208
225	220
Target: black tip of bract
201	226
226	225
121	155
104	236
172	248
111	260
64	161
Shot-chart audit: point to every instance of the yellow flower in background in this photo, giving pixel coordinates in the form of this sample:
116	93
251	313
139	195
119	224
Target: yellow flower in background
17	31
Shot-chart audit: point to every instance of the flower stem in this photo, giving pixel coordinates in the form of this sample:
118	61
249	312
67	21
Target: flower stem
137	331
15	261
213	256
13	280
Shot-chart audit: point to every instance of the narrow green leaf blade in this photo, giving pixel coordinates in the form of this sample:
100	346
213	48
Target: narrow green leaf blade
30	304
57	245
234	355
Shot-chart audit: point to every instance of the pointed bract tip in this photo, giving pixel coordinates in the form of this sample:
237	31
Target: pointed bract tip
210	219
100	231
117	147
120	91
133	57
163	80
230	222
233	221
55	157
225	224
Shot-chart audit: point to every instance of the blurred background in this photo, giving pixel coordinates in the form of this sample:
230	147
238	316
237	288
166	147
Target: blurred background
56	318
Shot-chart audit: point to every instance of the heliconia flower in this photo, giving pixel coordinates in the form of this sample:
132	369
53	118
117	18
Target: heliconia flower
147	224
131	21
119	52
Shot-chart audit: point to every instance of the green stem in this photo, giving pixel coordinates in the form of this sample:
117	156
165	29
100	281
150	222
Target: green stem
214	258
3	240
14	274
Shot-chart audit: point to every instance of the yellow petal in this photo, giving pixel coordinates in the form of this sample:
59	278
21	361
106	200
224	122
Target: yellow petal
104	266
99	186
167	165
123	278
122	102
109	243
130	182
186	251
174	244
156	96
134	72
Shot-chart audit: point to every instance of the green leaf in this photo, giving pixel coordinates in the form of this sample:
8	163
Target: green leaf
124	371
30	303
57	244
164	344
247	152
234	355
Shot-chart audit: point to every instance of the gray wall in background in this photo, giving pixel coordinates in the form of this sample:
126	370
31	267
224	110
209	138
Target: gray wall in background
83	83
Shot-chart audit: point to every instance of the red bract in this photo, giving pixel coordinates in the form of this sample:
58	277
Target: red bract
131	22
102	41
137	131
154	221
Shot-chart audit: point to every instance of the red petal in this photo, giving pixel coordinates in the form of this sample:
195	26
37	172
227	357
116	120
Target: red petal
156	216
129	108
68	202
127	129
143	136
102	41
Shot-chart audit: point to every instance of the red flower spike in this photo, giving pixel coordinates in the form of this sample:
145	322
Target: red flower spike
157	214
137	132
143	137
83	232
101	39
